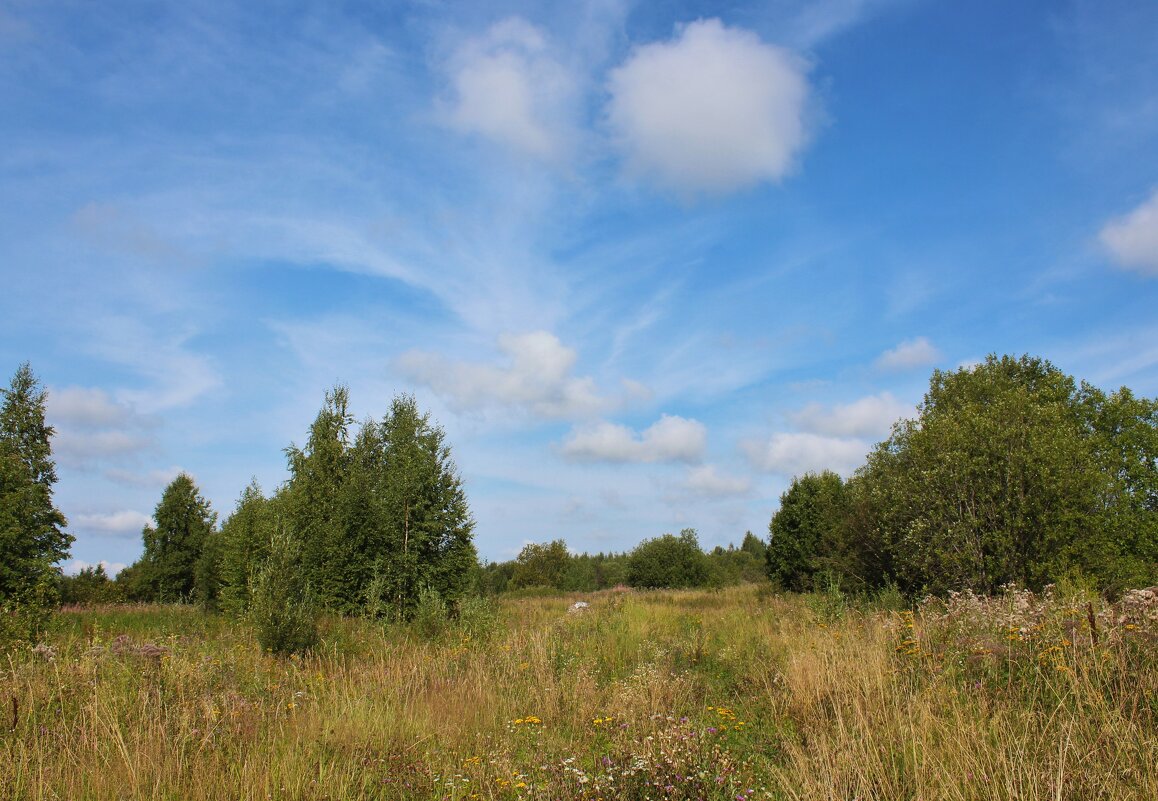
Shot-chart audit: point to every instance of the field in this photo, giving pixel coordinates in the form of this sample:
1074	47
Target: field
733	694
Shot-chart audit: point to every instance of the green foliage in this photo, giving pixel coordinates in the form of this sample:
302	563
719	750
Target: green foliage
1011	473
245	539
169	568
732	565
806	532
754	545
382	516
669	561
90	586
427	523
32	536
431	616
478	617
282	608
541	565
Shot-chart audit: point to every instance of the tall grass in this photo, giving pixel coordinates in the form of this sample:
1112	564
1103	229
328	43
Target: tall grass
712	695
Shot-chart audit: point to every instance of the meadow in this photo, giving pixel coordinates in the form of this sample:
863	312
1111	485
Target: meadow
736	694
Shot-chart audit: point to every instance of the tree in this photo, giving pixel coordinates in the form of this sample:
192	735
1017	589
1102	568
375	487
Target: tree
314	504
427	525
174	547
245	539
1012	473
383	518
32	536
805	534
541	565
754	545
668	561
91	585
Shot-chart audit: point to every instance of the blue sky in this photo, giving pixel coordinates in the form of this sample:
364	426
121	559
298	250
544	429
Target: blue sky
644	262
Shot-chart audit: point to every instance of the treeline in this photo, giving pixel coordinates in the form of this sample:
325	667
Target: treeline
371	518
669	561
1011	472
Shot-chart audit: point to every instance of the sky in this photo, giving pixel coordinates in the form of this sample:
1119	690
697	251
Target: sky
643	262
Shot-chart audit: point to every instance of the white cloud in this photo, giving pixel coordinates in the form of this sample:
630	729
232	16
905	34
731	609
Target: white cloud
792	454
86	407
505	86
1133	238
537	378
714	110
669	439
74	566
707	481
177	376
91	427
81	449
868	416
911	353
123	522
150	479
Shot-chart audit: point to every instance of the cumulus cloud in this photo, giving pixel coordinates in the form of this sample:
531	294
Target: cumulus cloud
122	522
1133	238
505	86
669	439
538	378
93	428
867	416
792	454
707	481
911	353
713	110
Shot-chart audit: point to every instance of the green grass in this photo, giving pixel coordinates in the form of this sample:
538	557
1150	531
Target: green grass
666	695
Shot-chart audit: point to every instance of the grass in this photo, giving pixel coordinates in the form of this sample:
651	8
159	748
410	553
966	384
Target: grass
735	694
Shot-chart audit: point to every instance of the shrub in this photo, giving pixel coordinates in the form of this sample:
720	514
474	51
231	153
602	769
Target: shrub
669	561
282	608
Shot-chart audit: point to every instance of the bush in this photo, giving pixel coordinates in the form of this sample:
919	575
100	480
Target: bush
281	607
668	562
431	615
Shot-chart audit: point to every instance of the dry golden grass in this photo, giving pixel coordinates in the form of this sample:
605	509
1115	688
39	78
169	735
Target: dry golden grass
714	695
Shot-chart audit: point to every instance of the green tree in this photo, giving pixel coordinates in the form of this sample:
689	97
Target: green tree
314	504
806	532
245	538
282	608
541	565
427	526
174	547
1012	473
1124	436
32	536
91	585
383	518
668	561
754	545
